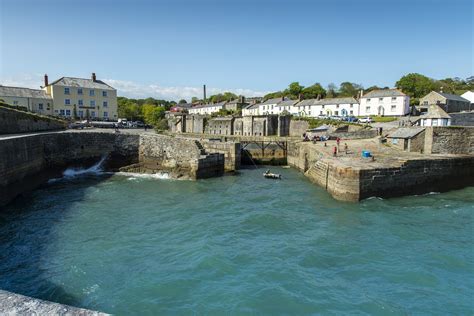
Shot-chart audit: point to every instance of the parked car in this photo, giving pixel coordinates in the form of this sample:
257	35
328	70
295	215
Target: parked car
365	120
350	119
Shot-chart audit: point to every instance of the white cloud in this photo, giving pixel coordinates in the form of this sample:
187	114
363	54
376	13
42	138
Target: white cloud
136	90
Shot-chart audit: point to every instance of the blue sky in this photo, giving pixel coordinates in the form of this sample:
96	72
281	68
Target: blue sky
170	48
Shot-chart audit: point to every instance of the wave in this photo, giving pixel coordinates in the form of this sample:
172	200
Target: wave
135	176
95	169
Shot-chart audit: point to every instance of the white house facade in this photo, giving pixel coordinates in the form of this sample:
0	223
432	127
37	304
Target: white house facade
34	100
207	109
328	107
388	102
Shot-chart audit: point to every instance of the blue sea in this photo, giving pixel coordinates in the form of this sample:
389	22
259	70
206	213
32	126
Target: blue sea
132	244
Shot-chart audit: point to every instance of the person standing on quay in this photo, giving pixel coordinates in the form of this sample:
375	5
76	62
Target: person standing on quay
334	151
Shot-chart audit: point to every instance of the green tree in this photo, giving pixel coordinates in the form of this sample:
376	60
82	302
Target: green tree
349	89
331	91
272	95
152	114
294	90
182	101
313	91
415	85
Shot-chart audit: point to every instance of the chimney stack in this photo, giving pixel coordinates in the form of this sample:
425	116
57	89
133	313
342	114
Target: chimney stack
283	98
204	90
94	78
300	97
46	80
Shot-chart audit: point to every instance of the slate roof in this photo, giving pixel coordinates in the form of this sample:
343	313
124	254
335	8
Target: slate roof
453	97
335	101
306	102
287	103
81	83
273	101
23	93
406	132
384	93
435	112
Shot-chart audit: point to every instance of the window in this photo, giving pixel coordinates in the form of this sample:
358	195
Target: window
380	99
40	106
67	101
68	112
320	112
393	108
91	93
351	112
106	114
93	113
367	109
80	102
79	91
351	106
434	122
394	99
81	113
425	102
92	103
61	112
368	100
104	93
337	106
336	113
104	104
66	90
15	102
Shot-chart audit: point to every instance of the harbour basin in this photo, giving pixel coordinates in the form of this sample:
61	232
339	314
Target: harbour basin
137	244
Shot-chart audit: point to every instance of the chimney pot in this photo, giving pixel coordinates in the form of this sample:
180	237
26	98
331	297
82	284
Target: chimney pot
46	80
94	78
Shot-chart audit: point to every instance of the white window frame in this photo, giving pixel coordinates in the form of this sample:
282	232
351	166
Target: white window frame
91	92
67	91
67	101
92	102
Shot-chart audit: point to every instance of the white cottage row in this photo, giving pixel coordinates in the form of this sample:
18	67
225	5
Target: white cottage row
388	102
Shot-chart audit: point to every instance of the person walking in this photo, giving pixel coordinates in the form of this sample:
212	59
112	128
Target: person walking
346	148
334	151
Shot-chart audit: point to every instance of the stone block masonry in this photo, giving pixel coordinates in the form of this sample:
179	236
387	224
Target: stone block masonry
14	121
28	161
395	177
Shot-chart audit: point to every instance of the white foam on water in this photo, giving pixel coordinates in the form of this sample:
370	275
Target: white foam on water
135	176
74	172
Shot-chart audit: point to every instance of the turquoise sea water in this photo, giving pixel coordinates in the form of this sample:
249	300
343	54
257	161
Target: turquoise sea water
238	245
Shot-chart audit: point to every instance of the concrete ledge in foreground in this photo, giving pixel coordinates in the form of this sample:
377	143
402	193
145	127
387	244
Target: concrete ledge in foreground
16	304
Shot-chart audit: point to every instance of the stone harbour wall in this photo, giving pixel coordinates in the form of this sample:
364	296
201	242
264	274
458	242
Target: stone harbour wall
30	160
409	177
14	121
230	150
449	140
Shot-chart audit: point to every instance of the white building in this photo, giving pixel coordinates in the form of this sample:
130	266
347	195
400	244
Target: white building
469	95
269	106
34	100
388	102
436	116
251	110
207	109
287	106
328	107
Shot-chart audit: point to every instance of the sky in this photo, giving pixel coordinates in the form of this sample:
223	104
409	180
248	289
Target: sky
170	48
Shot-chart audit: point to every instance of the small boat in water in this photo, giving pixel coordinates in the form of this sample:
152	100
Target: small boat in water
270	175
